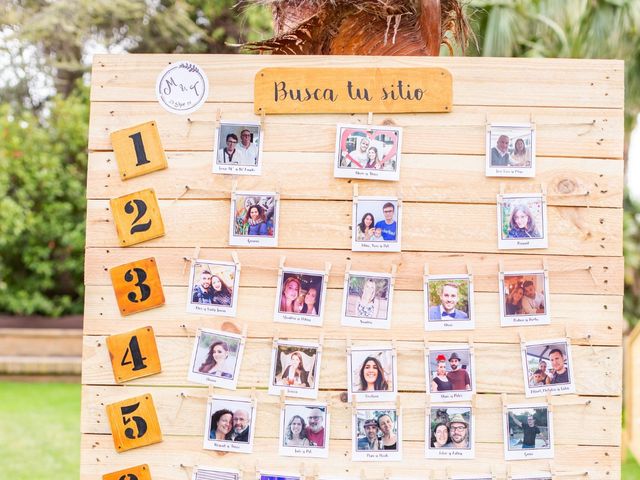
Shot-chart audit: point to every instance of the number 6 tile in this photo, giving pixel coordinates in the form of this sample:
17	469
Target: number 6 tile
134	354
134	423
137	286
137	217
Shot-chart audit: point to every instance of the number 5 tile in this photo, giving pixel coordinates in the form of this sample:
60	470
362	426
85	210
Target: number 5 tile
134	354
134	423
137	217
139	472
137	286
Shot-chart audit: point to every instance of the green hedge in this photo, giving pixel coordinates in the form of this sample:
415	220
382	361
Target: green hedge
43	164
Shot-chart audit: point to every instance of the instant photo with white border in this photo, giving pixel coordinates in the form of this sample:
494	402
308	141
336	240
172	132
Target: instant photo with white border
302	410
521	319
301	318
529	349
451	453
509	242
532	476
223	402
364	455
201	472
447	350
513	453
375	305
513	169
244	167
353	163
224	376
311	368
270	475
372	245
214	268
480	476
254	240
362	353
433	322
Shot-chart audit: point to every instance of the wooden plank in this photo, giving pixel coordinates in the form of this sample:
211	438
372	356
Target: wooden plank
584	317
176	455
352	90
558	82
566	180
179	415
567	274
498	366
471	228
559	132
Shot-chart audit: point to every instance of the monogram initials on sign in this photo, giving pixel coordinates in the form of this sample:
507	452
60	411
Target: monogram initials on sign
137	286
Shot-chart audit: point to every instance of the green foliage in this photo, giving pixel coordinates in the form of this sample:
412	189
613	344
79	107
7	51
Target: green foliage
631	240
42	207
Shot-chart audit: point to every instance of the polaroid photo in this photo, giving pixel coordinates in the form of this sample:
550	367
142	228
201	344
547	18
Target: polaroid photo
213	288
376	225
277	476
295	368
525	298
254	219
450	432
511	151
215	473
528	432
238	148
377	433
450	372
448	302
472	477
230	424
304	430
367	300
547	367
301	297
216	358
368	152
532	476
372	374
522	221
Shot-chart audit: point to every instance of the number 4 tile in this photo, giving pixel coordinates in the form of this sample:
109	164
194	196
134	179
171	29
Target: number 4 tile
134	354
134	423
137	217
139	472
138	150
137	286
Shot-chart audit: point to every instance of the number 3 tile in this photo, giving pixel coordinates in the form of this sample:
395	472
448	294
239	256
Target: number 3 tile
134	354
134	423
139	472
137	217
137	286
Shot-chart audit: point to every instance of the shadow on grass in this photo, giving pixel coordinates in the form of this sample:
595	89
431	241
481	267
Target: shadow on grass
39	431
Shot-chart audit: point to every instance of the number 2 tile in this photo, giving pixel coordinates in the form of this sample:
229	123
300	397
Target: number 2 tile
134	423
139	472
134	354
137	286
137	217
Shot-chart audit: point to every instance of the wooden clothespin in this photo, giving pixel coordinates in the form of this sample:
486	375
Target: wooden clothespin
503	400
234	187
394	271
243	339
349	344
263	122
370	118
355	193
469	271
210	391
218	117
281	265
552	471
282	399
276	338
473	402
347	269
501	270
502	190
386	474
327	269
549	404
398	404
509	475
426	270
189	260
545	267
236	260
523	341
253	397
320	342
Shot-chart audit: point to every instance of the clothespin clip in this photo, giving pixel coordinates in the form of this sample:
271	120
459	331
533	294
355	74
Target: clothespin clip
394	271
543	190
302	470
320	342
549	404
362	475
501	270
347	269
349	344
182	396
236	260
355	193
473	402
566	332
469	272
243	339
447	472
210	391
509	476
282	399
186	331
493	472
531	119
327	269
502	189
386	474
354	404
218	117
190	260
253	397
262	122
234	187
281	265
552	471
398	405
522	341
503	400
545	267
276	338
426	270
370	118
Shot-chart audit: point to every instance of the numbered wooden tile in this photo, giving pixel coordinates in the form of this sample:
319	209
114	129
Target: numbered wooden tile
138	150
137	217
134	354
134	423
139	472
137	286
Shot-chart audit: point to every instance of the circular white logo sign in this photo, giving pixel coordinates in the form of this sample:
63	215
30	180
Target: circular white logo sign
182	87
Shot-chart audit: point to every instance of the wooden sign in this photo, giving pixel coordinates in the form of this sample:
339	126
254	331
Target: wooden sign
138	150
134	423
137	217
137	286
134	354
139	472
352	90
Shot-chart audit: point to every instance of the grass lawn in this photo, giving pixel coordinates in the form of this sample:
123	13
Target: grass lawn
40	431
630	469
